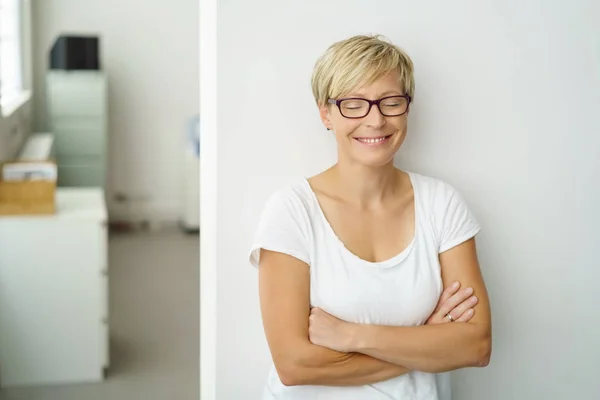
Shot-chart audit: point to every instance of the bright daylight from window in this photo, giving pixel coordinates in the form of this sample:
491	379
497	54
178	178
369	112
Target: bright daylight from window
10	53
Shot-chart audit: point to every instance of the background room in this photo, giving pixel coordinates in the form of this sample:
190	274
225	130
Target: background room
505	110
99	255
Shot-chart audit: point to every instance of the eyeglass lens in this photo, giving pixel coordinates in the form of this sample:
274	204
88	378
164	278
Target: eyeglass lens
389	107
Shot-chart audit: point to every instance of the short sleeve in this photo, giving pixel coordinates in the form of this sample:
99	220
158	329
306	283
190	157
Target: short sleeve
456	222
282	227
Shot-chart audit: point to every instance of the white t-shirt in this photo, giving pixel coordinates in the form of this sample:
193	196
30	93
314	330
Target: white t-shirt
400	291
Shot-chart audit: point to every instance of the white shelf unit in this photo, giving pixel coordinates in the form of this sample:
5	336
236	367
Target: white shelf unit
78	118
54	293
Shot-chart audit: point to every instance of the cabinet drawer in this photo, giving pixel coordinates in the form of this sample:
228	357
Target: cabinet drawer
79	136
76	95
85	174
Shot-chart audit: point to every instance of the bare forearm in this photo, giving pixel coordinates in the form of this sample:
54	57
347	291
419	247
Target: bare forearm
429	348
321	366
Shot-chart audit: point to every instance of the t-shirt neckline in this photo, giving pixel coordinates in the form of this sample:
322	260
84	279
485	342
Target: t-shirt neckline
390	262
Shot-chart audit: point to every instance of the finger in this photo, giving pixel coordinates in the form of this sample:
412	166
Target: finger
455	300
463	307
445	296
466	316
447	293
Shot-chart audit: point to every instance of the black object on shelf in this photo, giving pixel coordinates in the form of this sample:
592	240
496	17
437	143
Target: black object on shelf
72	53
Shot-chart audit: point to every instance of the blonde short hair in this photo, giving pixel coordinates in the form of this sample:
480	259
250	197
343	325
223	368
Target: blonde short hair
358	61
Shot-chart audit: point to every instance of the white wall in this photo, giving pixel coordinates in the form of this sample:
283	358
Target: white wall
505	109
150	52
14	129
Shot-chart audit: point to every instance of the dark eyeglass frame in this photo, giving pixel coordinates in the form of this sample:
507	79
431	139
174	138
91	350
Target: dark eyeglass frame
338	103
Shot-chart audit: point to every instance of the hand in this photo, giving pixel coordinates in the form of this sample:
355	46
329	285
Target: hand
328	331
459	304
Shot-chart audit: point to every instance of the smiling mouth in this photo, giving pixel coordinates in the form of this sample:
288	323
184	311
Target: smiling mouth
372	140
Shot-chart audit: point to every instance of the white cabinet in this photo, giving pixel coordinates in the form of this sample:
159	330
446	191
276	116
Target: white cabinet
77	113
54	293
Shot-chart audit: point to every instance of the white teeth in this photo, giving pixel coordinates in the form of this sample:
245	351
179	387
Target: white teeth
371	140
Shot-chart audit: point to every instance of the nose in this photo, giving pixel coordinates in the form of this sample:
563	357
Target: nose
374	118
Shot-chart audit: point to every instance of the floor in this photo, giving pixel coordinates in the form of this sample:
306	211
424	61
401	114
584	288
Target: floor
154	322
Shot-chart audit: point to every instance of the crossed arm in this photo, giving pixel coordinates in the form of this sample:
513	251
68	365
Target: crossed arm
305	344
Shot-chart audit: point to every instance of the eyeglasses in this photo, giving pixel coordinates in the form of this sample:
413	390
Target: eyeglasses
391	106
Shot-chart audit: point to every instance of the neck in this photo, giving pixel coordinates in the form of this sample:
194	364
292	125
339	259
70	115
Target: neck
367	186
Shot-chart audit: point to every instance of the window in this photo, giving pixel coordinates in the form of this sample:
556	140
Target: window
11	62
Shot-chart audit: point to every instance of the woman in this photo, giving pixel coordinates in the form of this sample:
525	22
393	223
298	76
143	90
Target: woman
353	261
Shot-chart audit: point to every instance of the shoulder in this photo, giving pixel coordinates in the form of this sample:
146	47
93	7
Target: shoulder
285	223
293	197
290	208
446	209
433	191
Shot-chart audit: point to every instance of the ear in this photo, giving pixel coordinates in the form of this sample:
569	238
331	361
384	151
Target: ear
325	115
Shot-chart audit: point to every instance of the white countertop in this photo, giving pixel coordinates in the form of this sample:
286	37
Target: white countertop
73	203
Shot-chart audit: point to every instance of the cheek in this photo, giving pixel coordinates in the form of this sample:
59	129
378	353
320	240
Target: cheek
401	124
344	128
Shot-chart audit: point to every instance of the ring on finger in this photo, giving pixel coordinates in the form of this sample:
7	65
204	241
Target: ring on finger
449	317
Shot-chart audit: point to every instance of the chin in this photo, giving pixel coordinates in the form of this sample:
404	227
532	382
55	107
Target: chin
375	159
374	162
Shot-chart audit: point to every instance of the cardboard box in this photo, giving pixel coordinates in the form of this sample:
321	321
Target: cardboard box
28	188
